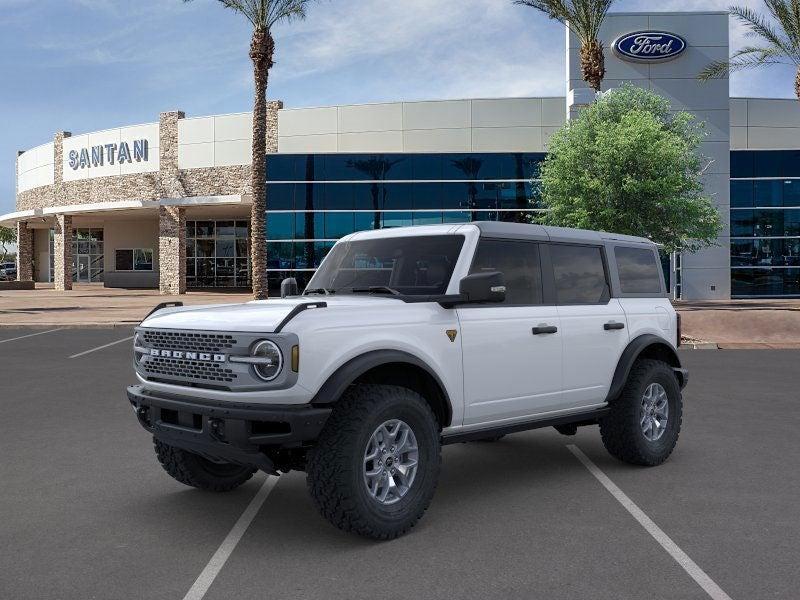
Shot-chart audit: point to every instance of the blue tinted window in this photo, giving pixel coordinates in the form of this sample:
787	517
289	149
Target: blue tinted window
338	225
281	167
768	193
339	196
456	216
765	282
366	196
309	196
742	164
365	221
427	218
426	195
464	166
768	164
309	225
455	195
426	166
791	193
280	255
397	219
280	226
485	195
280	196
396	196
791	222
741	194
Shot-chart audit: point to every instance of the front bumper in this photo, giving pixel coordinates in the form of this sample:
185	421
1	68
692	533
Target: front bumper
234	432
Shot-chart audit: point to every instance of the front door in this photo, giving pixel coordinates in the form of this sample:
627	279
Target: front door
83	268
511	351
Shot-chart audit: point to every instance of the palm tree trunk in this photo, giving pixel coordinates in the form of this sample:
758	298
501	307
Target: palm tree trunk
262	48
797	84
593	66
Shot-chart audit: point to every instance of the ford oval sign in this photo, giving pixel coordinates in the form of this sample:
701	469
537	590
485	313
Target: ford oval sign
649	46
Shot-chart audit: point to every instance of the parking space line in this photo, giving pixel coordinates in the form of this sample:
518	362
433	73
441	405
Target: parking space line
79	354
688	565
214	566
22	337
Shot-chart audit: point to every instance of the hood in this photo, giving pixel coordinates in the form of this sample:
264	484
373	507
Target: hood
261	316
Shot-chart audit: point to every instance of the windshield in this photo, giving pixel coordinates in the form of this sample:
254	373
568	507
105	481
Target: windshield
411	266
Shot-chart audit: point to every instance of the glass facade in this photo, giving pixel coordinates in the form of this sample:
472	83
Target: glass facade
217	254
765	223
315	199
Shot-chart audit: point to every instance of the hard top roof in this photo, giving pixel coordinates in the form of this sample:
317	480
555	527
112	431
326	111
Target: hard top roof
553	234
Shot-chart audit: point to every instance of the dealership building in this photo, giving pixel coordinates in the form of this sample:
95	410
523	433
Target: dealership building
167	204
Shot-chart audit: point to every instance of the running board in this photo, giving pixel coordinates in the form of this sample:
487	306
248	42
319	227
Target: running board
584	418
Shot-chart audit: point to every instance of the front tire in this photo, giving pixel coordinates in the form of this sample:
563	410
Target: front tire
645	420
375	467
195	471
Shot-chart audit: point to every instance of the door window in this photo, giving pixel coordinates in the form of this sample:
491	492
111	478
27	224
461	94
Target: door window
519	264
580	276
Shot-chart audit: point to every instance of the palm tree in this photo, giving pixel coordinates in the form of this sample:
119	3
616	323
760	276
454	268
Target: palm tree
780	41
262	15
584	19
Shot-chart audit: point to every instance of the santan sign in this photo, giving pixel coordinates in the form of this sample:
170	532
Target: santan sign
97	156
649	46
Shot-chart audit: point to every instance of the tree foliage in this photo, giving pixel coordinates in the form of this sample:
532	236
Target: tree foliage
778	40
628	165
584	19
8	236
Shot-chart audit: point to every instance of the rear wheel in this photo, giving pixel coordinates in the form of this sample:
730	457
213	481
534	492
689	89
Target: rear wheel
645	421
376	464
194	470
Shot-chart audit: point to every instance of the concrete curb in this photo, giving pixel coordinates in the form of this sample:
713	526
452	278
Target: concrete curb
701	346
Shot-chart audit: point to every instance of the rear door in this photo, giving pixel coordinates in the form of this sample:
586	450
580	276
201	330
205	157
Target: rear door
511	351
593	325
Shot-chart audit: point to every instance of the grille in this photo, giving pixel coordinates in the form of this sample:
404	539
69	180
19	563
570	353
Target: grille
197	342
188	369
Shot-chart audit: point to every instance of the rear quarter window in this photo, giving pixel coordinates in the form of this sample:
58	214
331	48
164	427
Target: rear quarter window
638	271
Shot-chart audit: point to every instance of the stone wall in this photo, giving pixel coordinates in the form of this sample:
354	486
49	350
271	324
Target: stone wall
62	253
24	252
172	249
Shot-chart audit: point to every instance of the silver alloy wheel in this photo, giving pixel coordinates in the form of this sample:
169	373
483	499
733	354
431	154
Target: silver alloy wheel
654	412
390	461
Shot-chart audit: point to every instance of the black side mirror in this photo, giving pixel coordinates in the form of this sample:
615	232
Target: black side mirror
289	287
483	287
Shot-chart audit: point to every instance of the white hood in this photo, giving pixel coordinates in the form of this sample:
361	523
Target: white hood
261	316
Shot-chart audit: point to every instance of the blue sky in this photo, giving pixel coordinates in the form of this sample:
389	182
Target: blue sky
84	65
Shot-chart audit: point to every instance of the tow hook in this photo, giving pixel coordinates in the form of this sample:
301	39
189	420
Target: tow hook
217	429
143	414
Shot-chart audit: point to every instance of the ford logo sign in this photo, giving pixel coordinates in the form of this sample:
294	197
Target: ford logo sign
649	46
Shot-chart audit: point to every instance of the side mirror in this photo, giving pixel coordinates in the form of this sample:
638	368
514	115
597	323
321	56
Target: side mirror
289	287
483	287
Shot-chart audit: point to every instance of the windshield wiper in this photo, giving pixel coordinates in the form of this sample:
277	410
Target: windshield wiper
323	291
376	289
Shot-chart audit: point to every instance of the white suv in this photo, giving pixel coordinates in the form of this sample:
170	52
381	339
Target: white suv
408	339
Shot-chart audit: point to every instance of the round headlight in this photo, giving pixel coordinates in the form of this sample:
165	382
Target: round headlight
272	363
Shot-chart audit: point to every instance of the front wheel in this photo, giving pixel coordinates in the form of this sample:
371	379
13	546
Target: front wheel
376	464
645	421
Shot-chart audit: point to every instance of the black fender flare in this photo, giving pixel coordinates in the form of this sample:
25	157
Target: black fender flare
345	375
635	349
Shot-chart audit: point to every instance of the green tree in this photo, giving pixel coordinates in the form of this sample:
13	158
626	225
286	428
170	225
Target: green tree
8	236
778	40
584	19
628	165
263	15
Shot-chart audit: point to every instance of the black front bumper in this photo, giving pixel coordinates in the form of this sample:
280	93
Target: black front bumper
232	431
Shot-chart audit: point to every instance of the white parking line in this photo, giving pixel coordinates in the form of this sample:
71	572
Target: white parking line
688	565
101	347
214	566
22	337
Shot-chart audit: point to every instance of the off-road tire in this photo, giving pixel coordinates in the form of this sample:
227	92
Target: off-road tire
335	465
621	431
196	471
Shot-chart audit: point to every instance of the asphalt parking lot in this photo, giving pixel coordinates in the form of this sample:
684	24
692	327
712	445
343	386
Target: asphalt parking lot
88	513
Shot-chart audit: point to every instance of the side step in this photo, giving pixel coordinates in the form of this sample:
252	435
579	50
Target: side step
584	418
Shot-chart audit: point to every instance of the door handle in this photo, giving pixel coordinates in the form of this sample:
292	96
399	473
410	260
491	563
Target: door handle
611	326
544	329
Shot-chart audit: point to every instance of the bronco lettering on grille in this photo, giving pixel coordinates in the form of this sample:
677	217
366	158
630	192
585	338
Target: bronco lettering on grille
203	356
